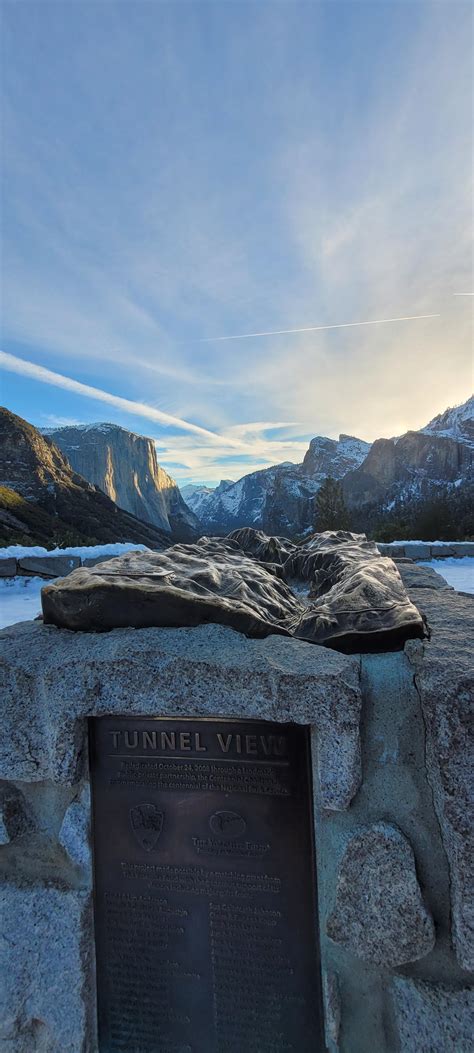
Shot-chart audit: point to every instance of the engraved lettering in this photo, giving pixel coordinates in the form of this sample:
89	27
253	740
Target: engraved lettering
224	743
203	910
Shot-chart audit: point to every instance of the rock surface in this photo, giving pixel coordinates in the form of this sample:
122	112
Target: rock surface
14	817
51	680
125	467
432	1018
379	912
75	832
44	502
7	567
280	499
444	677
420	577
412	462
357	599
45	967
48	566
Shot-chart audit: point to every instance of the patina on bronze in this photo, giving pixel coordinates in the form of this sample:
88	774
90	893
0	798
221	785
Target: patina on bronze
204	887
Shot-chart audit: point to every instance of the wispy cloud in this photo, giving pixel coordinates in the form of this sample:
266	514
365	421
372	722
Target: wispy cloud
146	209
13	364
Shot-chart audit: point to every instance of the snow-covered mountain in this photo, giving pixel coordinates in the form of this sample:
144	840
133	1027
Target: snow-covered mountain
416	465
278	500
411	467
455	423
125	467
196	494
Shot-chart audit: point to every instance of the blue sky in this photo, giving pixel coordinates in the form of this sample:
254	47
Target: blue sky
176	172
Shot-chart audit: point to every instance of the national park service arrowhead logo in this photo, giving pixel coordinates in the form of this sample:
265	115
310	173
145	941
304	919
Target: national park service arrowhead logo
147	824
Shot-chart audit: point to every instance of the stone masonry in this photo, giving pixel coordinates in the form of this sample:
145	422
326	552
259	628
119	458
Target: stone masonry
391	795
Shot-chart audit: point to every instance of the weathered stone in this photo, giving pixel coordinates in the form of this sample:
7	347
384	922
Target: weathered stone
417	576
48	566
394	551
458	548
75	833
332	1007
357	598
444	677
432	1018
54	679
418	551
7	568
14	816
379	912
47	989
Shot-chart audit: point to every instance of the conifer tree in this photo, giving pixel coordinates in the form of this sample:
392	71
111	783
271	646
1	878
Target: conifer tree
331	511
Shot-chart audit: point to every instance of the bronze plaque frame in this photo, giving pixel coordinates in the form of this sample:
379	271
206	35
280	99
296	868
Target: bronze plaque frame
204	886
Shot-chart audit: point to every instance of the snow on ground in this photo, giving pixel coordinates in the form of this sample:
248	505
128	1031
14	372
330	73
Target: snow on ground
115	549
20	599
457	572
448	544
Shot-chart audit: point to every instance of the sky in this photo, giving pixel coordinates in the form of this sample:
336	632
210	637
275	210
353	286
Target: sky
175	173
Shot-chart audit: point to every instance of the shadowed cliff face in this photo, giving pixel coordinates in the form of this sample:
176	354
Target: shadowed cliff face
43	501
125	467
410	463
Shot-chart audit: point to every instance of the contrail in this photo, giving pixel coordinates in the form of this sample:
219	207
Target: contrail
46	376
463	293
315	328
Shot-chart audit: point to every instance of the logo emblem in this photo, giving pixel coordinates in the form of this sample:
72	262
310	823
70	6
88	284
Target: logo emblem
227	824
147	824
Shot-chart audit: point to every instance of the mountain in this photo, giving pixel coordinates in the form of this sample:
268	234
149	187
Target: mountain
43	501
455	423
125	467
196	494
279	500
409	480
417	463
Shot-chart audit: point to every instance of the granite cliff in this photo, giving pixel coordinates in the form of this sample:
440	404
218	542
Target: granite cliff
388	477
43	501
126	468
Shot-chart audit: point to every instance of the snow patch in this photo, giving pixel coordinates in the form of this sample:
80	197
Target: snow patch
20	599
457	572
115	549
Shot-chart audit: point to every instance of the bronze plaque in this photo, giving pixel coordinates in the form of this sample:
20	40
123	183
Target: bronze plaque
205	907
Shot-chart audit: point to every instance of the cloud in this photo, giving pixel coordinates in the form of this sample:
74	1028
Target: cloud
144	208
140	409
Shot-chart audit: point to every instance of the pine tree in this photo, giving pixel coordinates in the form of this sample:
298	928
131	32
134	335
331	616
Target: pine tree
331	511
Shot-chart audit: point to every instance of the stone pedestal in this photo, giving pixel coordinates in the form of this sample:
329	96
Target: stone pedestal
390	797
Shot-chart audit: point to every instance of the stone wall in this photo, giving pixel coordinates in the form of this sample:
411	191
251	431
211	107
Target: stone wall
45	566
391	794
426	549
60	565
